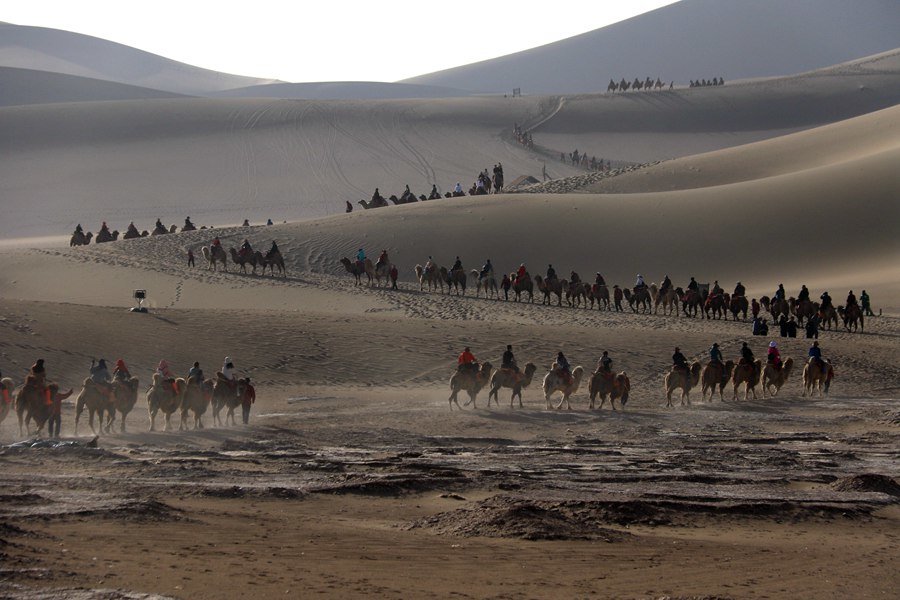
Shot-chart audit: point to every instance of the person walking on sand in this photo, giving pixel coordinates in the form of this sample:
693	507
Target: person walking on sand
866	304
247	400
394	275
190	257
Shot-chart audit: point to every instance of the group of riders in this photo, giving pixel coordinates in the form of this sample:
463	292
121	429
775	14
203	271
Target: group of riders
467	363
484	184
105	382
773	357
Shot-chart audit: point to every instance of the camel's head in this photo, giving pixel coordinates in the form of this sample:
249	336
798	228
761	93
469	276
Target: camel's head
530	368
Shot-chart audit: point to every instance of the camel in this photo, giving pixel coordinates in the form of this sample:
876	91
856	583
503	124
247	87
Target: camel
164	396
691	302
6	397
576	293
520	286
125	395
612	87
668	299
454	279
216	255
471	381
430	276
817	377
776	378
803	309
356	270
197	397
98	401
779	307
716	306
373	204
226	396
737	305
508	378
34	403
747	374
106	236
685	380
188	227
549	286
272	260
81	239
242	260
852	317
132	234
829	317
765	302
378	273
638	297
606	384
488	283
715	375
600	294
555	381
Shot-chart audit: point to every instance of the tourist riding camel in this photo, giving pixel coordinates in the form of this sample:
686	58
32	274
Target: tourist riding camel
227	375
574	278
79	230
605	363
815	355
458	191
851	300
132	230
739	290
377	197
521	273
773	356
826	301
803	296
666	284
466	361
639	282
716	290
679	361
715	354
188	225
100	375
693	285
163	370
382	258
485	269
598	279
509	360
435	194
563	367
780	293
195	374
551	273
457	266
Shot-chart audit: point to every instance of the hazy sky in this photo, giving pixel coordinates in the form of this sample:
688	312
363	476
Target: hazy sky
322	40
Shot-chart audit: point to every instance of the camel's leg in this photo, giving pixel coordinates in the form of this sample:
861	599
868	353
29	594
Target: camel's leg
472	400
122	426
198	422
452	399
78	410
591	405
91	421
152	420
168	422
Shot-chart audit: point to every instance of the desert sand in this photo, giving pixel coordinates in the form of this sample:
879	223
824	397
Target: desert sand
355	477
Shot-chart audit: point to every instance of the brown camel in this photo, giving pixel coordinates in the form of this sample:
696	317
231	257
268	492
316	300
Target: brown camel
356	270
576	293
470	380
216	255
748	375
607	384
106	236
715	375
685	380
639	297
197	398
508	378
779	307
431	277
228	396
549	286
99	401
32	404
829	317
81	239
600	295
274	259
852	317
164	395
520	286
817	376
668	299
803	309
454	279
716	306
242	260
557	381
131	234
739	305
488	283
7	387
691	302
776	378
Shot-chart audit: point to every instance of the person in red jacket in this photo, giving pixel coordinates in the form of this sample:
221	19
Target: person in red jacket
466	361
247	400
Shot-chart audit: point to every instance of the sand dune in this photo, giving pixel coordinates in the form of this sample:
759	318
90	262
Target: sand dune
692	39
342	90
44	49
26	86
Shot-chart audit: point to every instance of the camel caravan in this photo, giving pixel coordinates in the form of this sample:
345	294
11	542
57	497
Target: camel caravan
80	238
485	183
245	256
37	402
637	85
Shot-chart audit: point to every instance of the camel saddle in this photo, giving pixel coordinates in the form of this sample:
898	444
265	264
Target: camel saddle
517	375
606	374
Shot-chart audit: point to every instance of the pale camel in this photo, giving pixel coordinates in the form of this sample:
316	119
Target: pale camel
747	375
609	385
35	402
454	279
98	400
470	380
227	395
549	286
382	271
776	378
668	299
684	380
6	397
356	270
508	378
125	395
197	398
164	395
216	255
817	377
715	375
557	381
488	283
81	239
431	277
